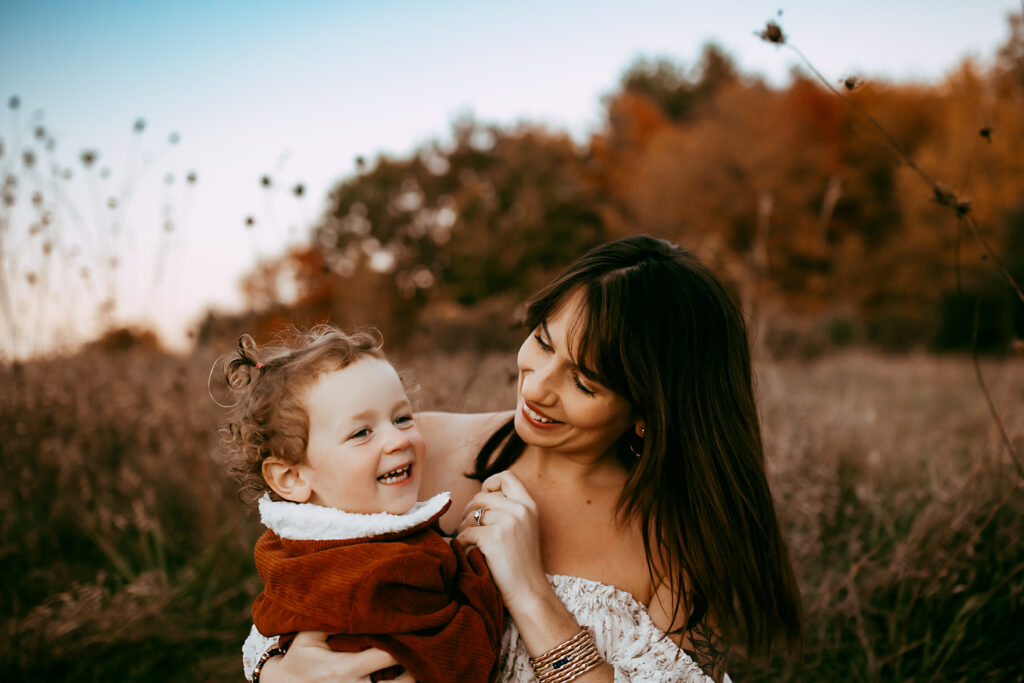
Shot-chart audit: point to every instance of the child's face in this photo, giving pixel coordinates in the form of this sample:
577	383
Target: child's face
364	451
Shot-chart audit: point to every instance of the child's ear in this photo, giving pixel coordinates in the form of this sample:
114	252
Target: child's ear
288	480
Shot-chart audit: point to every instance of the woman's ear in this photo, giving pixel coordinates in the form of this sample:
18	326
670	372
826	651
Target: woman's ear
291	481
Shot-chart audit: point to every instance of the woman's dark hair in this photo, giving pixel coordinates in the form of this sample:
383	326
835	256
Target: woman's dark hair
660	330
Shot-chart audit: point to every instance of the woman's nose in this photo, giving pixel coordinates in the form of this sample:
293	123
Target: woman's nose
537	383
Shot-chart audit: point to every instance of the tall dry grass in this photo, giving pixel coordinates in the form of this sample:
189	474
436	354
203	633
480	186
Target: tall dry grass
902	511
126	555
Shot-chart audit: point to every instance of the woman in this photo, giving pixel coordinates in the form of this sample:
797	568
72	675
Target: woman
626	520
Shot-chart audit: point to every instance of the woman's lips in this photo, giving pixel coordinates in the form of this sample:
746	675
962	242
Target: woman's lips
536	418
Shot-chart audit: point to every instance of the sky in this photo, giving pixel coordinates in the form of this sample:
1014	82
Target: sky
298	90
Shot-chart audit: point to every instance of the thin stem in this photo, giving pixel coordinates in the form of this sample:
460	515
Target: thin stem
941	194
988	396
1002	269
866	114
962	209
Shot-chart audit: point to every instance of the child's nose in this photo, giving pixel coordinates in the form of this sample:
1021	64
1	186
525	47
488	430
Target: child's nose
397	440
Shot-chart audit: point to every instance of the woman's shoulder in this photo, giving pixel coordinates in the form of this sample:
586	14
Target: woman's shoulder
453	440
459	431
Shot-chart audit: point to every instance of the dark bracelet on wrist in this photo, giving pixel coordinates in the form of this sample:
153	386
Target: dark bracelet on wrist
264	658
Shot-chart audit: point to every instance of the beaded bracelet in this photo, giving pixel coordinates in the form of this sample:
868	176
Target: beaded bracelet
568	661
264	658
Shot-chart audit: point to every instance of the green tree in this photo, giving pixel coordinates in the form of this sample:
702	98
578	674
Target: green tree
496	211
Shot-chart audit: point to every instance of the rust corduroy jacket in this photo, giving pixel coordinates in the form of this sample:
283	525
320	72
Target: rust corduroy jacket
386	581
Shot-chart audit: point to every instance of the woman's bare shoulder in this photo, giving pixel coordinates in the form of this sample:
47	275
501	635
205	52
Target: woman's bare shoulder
455	428
454	439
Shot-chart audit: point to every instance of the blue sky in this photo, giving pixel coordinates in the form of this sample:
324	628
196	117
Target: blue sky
299	89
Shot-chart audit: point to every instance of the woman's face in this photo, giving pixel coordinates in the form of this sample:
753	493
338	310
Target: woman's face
559	408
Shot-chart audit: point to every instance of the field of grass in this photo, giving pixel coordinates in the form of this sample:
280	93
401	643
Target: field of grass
126	555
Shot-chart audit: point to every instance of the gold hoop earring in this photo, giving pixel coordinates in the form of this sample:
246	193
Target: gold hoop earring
632	448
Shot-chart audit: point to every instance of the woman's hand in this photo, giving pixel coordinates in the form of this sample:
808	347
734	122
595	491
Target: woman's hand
509	536
311	660
510	540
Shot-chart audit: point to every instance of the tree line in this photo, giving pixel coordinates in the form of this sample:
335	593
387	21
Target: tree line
785	191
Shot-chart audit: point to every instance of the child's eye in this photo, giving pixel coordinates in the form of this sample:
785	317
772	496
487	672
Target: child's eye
404	420
365	431
582	387
543	344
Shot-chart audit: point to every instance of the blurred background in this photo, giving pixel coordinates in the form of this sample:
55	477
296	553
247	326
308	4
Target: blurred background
175	175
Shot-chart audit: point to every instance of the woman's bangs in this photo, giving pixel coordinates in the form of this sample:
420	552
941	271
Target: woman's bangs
597	336
582	346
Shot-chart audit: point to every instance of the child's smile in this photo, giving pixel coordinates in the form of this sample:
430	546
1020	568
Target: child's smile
399	475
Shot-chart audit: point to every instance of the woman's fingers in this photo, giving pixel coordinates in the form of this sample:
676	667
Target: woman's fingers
470	535
489	500
311	639
507	483
366	662
310	658
488	503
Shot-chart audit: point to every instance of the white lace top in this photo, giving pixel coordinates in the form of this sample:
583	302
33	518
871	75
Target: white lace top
623	631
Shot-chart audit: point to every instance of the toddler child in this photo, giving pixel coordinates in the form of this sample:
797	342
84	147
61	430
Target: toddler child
325	432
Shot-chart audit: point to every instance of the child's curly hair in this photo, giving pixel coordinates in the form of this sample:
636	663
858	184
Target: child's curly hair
272	383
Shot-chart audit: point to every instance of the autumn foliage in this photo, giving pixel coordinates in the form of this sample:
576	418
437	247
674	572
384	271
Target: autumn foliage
787	192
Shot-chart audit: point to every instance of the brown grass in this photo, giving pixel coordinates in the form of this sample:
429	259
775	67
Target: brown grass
126	555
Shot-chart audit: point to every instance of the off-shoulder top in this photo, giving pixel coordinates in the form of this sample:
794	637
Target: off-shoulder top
623	631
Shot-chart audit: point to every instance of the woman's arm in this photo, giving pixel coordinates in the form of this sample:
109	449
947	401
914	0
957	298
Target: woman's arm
510	540
311	660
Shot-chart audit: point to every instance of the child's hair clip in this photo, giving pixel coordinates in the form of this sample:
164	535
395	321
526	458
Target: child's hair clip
259	366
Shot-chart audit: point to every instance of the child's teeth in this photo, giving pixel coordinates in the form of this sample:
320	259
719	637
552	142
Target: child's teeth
393	476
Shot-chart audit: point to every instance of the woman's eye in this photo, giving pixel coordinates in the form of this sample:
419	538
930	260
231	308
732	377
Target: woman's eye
582	387
543	344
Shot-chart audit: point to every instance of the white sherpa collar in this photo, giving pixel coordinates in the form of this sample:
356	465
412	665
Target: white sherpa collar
308	522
